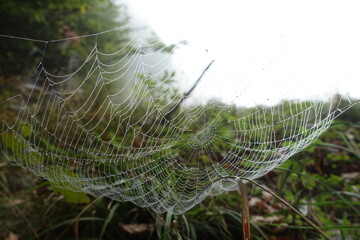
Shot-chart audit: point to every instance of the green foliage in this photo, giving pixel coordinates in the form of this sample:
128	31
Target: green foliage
48	20
308	181
71	196
10	141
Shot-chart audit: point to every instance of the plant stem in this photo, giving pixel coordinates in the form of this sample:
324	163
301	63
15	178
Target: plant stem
245	209
291	207
245	200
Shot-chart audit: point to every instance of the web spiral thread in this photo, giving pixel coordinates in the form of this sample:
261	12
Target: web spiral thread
102	129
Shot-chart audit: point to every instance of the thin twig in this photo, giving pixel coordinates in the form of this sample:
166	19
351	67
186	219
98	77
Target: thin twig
187	94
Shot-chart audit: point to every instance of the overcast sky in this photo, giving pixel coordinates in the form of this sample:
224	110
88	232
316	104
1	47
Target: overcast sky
264	51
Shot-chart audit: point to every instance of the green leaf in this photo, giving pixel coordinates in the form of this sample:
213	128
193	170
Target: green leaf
12	142
71	196
25	130
57	175
32	158
108	219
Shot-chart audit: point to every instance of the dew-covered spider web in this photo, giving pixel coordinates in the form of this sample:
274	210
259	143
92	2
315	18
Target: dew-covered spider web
118	126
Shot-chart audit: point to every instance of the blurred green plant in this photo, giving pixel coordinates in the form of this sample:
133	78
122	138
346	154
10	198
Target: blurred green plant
323	182
48	20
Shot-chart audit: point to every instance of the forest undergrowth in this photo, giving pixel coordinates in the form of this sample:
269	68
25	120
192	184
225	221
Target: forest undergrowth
323	182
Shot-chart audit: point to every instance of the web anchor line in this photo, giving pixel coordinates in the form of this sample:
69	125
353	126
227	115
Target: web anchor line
23	38
63	39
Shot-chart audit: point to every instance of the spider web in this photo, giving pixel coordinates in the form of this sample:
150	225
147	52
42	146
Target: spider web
114	127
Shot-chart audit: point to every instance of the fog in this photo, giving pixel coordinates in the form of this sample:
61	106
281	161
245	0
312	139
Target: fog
264	51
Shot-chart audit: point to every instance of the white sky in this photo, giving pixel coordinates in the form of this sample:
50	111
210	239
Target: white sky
264	51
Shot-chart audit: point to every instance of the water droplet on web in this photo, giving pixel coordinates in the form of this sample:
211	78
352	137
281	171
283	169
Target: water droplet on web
195	143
